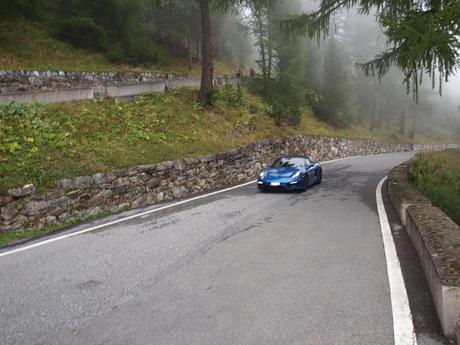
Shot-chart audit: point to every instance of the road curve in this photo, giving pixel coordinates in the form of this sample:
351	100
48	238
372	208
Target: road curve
241	267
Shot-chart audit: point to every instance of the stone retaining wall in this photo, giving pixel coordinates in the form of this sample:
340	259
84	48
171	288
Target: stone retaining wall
55	87
20	81
80	197
436	239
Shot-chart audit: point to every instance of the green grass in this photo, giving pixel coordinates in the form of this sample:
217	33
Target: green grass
41	144
25	45
437	176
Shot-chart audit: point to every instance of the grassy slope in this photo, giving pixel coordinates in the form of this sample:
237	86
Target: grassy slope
29	46
43	143
437	176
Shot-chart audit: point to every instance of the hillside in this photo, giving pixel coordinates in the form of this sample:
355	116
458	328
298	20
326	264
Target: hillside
26	45
42	143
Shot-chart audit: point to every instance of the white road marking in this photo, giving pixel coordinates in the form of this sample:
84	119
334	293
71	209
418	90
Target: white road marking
402	317
138	215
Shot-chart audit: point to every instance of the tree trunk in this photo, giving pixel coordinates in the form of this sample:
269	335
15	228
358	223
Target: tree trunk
262	49
270	42
402	122
374	110
414	123
189	49
207	67
198	52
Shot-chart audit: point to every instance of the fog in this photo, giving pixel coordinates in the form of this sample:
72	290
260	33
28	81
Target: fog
375	103
294	72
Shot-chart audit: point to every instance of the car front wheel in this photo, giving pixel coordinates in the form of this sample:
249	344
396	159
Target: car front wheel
320	175
305	184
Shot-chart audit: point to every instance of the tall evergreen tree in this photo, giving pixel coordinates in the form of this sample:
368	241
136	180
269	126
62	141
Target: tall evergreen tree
423	35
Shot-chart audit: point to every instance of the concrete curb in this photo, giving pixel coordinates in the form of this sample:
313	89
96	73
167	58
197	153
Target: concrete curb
436	239
50	96
119	91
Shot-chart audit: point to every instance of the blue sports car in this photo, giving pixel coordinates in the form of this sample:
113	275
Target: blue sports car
290	173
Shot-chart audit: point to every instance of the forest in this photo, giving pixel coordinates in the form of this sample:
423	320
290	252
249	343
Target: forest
350	63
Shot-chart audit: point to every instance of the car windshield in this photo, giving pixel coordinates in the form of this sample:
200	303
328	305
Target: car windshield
289	162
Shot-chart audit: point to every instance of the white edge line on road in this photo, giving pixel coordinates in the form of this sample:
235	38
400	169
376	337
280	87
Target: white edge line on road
404	333
137	215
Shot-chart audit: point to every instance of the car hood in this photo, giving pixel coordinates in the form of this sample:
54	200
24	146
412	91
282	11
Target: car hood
273	173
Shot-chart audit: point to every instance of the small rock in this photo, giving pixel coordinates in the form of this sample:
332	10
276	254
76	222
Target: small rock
241	177
153	183
98	199
160	197
147	168
37	207
138	202
21	192
91	212
176	192
179	164
50	220
82	182
64	217
6	228
4	199
9	211
207	159
191	161
74	193
99	179
143	177
164	166
64	184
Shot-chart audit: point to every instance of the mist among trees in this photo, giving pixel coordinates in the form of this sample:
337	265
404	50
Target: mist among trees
340	62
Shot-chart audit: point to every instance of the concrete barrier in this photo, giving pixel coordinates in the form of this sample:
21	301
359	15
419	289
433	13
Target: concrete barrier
436	239
119	91
134	89
52	96
185	82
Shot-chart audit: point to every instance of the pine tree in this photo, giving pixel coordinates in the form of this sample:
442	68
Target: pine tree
423	35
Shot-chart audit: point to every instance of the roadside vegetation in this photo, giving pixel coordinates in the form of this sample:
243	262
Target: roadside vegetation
28	45
43	143
437	176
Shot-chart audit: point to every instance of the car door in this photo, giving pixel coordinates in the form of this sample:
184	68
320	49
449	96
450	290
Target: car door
311	171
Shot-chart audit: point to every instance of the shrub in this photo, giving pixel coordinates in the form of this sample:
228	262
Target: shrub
140	52
115	53
233	95
82	32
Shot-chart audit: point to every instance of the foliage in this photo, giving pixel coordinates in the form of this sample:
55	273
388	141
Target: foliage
281	62
82	32
437	176
43	143
423	35
26	45
139	52
20	8
335	103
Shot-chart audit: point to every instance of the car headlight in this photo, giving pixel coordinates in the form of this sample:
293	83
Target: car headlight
262	174
297	174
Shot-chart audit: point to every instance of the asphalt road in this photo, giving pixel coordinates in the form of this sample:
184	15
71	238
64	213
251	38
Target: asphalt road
241	267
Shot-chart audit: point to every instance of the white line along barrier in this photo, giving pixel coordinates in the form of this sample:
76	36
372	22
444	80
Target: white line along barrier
402	317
